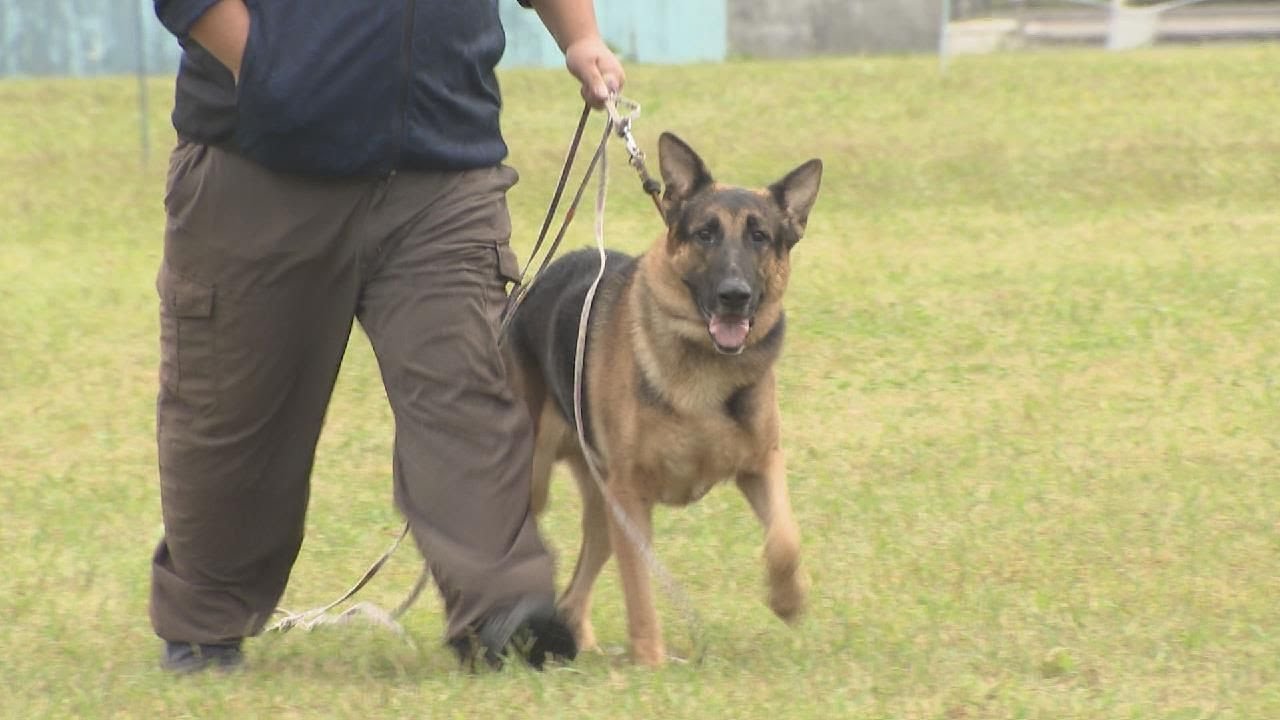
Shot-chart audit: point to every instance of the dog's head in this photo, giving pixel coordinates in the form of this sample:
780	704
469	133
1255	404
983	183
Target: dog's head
731	246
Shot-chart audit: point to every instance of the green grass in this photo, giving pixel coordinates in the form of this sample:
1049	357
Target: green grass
1030	401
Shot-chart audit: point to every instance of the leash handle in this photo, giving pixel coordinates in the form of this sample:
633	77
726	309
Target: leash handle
570	156
521	289
621	113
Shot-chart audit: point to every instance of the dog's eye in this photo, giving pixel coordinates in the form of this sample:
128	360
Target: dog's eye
704	235
760	236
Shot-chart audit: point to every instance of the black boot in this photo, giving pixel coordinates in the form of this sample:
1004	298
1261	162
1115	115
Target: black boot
184	658
530	628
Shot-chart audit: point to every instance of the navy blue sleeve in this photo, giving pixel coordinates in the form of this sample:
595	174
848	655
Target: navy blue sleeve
178	16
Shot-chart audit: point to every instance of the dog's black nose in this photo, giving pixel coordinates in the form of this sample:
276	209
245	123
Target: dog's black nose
733	293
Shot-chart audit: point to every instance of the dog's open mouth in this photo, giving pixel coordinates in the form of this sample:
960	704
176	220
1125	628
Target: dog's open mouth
729	332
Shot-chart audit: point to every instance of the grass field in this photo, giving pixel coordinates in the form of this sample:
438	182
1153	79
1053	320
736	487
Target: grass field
1030	398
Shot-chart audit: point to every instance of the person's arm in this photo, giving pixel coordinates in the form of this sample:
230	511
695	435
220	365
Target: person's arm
223	30
220	26
573	25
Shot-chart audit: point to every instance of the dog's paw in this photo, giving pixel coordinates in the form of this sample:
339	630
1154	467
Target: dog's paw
648	653
585	634
787	597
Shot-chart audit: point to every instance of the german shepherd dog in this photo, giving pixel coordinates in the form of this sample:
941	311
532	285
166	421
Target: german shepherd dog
678	384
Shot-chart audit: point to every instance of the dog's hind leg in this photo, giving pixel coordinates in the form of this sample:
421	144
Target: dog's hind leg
766	491
549	437
576	601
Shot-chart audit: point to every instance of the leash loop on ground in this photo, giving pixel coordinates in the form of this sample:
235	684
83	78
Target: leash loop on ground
315	617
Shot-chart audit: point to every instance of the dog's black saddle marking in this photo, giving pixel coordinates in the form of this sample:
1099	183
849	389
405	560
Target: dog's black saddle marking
554	307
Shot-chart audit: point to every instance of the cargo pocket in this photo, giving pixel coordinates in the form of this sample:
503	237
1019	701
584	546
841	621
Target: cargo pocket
508	263
186	337
184	160
507	266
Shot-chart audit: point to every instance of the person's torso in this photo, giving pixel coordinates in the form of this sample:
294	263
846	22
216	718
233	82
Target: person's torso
339	88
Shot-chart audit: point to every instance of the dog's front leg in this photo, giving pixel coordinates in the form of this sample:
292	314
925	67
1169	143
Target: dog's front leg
628	536
766	490
576	601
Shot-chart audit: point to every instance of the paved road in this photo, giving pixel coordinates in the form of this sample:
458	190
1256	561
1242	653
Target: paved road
1193	23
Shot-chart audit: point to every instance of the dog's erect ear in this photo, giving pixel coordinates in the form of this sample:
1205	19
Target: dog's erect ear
683	172
795	194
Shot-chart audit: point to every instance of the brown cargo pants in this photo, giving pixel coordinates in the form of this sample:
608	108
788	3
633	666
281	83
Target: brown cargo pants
262	277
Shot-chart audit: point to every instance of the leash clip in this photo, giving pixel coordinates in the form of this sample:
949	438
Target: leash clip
628	140
622	112
616	106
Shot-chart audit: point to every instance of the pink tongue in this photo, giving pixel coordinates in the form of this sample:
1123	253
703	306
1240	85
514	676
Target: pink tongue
729	333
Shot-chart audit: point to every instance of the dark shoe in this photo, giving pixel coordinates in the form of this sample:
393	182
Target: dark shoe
531	628
184	658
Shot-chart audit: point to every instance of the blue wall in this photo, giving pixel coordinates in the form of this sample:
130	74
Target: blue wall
81	37
666	31
94	37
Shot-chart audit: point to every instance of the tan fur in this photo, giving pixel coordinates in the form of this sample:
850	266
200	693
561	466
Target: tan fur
654	456
674	448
